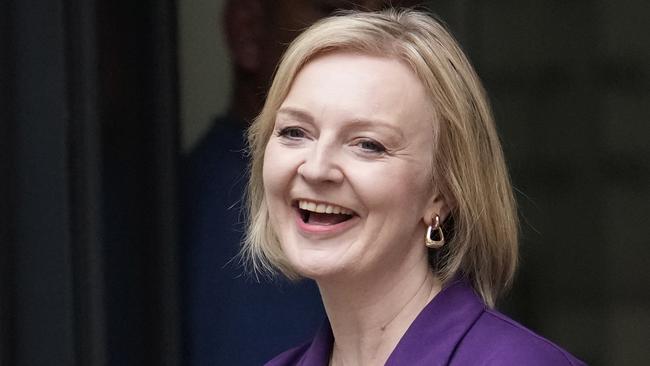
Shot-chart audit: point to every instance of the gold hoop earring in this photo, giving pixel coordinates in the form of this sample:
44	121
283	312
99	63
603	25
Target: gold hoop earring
434	237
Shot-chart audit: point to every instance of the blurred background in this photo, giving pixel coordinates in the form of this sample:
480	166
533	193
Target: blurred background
105	107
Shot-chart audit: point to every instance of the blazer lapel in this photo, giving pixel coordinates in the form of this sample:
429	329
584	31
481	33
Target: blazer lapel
318	353
433	336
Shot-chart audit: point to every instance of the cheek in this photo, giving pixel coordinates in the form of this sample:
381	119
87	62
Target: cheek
269	170
274	179
277	171
394	186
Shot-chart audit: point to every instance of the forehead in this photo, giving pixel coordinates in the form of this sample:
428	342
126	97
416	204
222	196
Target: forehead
353	85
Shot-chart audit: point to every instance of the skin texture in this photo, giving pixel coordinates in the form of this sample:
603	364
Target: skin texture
356	131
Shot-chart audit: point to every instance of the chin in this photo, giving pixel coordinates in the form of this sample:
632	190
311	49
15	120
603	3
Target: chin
316	264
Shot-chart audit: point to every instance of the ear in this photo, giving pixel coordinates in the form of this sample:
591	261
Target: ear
438	205
244	28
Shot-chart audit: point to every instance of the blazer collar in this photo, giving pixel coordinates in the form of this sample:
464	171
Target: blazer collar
432	337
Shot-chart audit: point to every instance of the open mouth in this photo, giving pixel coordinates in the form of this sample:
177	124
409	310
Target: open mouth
323	214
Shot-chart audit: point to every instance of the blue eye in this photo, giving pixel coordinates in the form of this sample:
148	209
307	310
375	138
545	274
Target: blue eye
291	132
372	146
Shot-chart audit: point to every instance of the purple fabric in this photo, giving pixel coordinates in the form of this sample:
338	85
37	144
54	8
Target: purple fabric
455	328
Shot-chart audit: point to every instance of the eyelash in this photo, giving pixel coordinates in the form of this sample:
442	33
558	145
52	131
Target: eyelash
287	131
374	148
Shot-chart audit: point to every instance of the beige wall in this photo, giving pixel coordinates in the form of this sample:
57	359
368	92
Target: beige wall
204	73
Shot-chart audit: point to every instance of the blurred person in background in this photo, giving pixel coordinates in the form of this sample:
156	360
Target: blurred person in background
232	319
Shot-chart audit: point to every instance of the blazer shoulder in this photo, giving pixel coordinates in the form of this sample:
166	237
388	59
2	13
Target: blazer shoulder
499	340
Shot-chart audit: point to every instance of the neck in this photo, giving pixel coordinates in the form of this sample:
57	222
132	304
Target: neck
370	316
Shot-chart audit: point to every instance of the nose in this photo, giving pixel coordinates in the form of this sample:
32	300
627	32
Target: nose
321	165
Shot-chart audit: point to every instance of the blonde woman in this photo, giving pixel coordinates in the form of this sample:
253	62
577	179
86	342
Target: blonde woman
377	172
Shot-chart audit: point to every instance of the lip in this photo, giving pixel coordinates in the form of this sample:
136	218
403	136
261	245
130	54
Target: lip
323	230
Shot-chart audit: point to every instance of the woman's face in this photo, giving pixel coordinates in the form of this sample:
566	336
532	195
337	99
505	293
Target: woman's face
347	170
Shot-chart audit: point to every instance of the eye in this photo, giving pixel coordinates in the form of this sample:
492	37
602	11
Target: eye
371	146
291	133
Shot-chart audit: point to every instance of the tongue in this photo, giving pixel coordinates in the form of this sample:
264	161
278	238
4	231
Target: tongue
326	219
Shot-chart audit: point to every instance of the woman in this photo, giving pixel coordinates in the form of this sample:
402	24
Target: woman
377	171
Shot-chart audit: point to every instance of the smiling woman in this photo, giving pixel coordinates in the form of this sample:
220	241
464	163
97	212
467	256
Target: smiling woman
377	172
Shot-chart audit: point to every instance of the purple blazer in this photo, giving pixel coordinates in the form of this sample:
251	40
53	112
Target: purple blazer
455	328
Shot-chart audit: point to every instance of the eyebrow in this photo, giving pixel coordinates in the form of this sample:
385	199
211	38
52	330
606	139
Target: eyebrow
357	122
296	113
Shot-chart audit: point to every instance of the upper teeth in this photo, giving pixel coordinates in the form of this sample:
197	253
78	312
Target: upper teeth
323	208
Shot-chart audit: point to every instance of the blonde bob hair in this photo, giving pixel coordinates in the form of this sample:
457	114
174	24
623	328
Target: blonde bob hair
469	167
